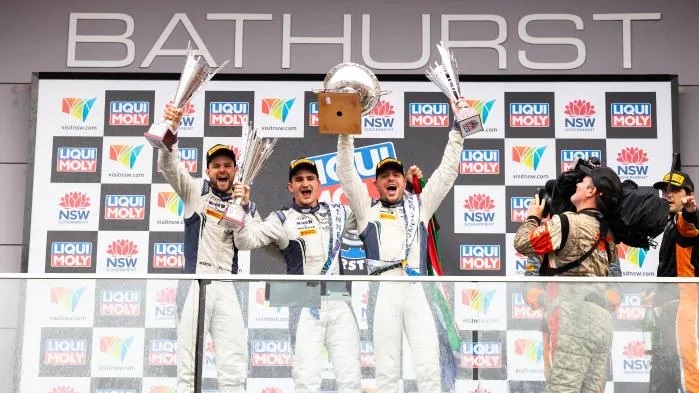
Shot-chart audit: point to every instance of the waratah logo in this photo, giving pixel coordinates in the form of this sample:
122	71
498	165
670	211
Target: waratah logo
68	298
62	389
479	300
479	390
277	108
634	349
580	108
479	202
188	109
116	347
122	247
382	109
271	390
632	155
632	255
166	296
79	108
74	200
170	201
483	108
126	155
532	350
528	156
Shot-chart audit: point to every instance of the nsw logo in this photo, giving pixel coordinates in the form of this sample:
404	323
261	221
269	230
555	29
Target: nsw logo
479	300
125	155
125	207
528	156
626	115
635	360
381	118
116	347
165	303
78	108
579	116
479	210
168	255
632	255
67	298
529	115
122	256
518	208
71	254
480	257
570	157
278	108
187	115
633	163
428	115
74	208
129	113
171	202
482	162
228	113
76	159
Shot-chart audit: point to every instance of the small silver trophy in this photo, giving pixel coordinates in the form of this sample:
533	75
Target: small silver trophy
446	76
194	76
253	155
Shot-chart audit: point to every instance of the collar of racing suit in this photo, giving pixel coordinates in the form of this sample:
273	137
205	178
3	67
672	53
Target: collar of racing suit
305	210
391	205
224	196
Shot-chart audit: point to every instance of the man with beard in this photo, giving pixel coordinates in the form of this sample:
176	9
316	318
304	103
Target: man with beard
674	355
209	248
309	235
393	230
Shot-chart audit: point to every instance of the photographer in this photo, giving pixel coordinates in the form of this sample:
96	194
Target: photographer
576	244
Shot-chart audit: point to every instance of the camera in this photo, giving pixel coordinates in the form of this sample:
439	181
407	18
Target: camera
558	192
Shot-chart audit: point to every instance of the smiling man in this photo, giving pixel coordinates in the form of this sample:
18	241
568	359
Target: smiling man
394	232
309	235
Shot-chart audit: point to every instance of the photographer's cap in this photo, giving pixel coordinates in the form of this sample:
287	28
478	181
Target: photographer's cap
607	183
389	163
676	179
302	163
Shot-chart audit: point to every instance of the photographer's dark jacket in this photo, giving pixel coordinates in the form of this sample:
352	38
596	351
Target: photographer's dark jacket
679	251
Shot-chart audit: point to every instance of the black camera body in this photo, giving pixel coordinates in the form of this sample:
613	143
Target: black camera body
557	193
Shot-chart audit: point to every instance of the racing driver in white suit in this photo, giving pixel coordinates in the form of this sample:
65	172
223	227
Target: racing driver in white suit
309	235
393	230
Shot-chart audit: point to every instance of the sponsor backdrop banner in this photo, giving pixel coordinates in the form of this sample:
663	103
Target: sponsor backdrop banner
100	204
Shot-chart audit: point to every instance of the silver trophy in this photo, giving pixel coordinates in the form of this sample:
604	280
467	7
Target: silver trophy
194	76
253	155
446	76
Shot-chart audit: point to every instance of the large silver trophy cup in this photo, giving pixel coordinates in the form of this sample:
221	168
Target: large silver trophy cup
446	76
253	155
194	76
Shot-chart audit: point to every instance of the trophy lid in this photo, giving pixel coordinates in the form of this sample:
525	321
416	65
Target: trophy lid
354	78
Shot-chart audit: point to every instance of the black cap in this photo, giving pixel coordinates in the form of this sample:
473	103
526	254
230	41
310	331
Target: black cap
389	163
676	179
607	183
302	163
217	150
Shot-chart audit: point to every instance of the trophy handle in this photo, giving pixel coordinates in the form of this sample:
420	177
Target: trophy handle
385	92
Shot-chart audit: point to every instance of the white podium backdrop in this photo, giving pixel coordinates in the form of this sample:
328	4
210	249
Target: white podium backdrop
99	204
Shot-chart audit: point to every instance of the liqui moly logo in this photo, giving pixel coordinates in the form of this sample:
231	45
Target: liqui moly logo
267	353
117	302
570	157
579	115
129	113
481	162
76	159
365	160
636	115
630	308
228	113
71	254
521	310
122	256
168	256
124	207
481	355
381	118
428	115
529	115
74	208
65	352
313	114
162	353
479	209
480	257
632	163
518	208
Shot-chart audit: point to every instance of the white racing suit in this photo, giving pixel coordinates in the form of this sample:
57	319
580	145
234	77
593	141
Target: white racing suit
209	249
392	234
310	240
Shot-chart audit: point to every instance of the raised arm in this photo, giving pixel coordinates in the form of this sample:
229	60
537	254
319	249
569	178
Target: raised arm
351	183
442	180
